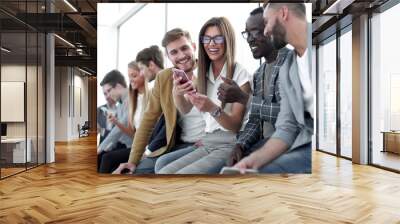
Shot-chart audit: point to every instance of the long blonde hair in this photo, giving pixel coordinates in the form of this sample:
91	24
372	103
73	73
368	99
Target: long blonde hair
133	94
226	28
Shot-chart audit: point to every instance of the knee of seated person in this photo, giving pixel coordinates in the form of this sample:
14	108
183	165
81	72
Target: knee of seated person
107	156
163	170
159	165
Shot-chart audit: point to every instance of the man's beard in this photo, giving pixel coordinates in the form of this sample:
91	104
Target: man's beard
278	36
192	63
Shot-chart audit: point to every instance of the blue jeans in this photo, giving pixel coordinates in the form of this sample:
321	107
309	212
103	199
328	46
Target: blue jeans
147	165
172	156
297	160
208	158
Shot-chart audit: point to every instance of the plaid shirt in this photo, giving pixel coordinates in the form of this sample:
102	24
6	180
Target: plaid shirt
263	110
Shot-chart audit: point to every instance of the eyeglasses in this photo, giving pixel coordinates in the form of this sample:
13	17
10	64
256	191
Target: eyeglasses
217	39
253	33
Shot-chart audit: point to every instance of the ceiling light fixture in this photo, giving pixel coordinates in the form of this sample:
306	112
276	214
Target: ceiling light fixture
84	71
5	50
70	5
337	7
64	40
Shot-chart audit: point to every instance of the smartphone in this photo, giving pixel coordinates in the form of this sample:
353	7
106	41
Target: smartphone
182	74
125	171
234	170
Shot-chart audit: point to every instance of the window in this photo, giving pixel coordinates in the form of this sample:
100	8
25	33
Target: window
385	85
22	65
119	43
346	93
327	96
145	28
237	15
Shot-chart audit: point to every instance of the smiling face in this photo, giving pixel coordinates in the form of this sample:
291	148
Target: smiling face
215	51
136	79
274	28
259	44
181	53
112	94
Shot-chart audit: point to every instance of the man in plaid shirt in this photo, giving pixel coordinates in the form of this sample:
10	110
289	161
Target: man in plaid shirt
265	104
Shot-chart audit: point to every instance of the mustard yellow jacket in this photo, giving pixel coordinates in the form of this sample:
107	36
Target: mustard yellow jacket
160	102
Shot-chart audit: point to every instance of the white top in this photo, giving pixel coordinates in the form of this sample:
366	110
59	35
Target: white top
150	84
192	125
137	117
306	83
240	76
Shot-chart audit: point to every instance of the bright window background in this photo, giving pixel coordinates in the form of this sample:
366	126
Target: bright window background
314	76
237	14
107	43
327	96
346	94
385	77
145	28
123	32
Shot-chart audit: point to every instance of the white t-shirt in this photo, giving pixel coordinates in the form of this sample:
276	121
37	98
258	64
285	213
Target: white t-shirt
240	76
137	118
306	83
192	125
150	84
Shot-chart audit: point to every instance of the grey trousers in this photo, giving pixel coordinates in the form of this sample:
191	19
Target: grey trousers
206	159
147	165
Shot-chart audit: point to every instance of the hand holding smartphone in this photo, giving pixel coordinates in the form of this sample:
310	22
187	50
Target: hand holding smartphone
181	74
183	78
126	171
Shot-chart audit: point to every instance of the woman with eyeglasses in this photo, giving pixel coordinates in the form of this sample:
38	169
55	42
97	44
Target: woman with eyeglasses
216	65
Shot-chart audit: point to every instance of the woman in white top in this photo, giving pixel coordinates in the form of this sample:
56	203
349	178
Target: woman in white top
138	95
216	61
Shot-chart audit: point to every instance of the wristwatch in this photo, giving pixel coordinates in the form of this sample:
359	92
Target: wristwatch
216	113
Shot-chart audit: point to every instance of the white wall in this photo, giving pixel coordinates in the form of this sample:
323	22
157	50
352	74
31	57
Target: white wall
33	126
61	105
68	82
12	73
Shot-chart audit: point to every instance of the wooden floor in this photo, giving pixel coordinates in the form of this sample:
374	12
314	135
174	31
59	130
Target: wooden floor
10	171
70	191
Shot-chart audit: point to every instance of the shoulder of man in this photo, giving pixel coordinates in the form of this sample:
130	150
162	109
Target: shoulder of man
283	54
164	74
284	68
100	108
